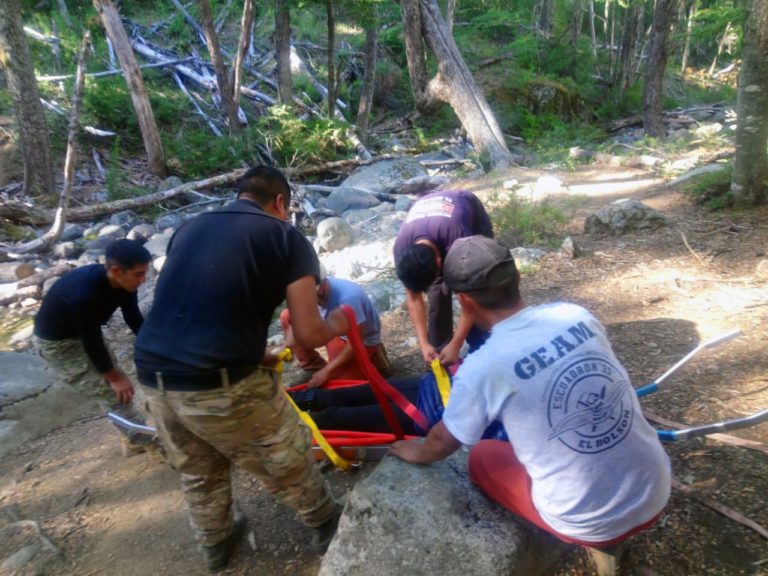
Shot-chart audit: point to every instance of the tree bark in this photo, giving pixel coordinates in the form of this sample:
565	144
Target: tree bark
624	74
30	118
283	51
133	77
543	13
222	78
750	165
656	67
366	94
450	13
246	28
330	21
720	45
60	217
453	83
687	45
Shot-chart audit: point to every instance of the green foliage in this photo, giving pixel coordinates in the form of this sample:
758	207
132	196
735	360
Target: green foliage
294	141
711	189
195	153
496	25
520	221
391	39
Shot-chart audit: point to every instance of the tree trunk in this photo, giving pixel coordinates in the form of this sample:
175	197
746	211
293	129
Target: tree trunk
592	32
656	66
60	217
331	25
366	94
687	45
133	77
454	84
633	27
246	29
720	45
283	51
450	13
30	119
750	165
410	12
222	78
543	13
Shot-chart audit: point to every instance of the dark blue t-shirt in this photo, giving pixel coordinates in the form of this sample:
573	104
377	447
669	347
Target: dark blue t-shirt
78	304
443	217
225	273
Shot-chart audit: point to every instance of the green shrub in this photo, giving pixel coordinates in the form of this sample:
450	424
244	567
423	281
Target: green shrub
196	153
294	141
711	189
518	221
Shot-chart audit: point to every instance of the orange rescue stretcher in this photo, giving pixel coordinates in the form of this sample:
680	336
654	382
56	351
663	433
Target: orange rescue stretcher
345	448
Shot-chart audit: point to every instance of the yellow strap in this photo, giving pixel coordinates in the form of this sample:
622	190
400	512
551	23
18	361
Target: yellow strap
284	356
443	381
338	461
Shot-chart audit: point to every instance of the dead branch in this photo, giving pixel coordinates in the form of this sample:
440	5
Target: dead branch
720	508
40	277
114	72
60	217
197	107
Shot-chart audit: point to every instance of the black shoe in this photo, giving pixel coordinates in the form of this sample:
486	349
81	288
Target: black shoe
217	556
323	534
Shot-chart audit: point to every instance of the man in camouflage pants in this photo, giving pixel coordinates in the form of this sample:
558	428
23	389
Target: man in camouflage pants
202	361
68	332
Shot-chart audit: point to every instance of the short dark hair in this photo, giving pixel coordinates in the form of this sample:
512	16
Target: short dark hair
417	267
502	295
126	254
264	184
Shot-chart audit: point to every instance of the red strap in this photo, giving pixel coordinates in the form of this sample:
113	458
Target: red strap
381	388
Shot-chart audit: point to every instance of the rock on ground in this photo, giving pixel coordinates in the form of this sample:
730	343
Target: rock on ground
406	519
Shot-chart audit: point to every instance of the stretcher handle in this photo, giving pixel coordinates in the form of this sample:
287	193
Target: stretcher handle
709	344
735	424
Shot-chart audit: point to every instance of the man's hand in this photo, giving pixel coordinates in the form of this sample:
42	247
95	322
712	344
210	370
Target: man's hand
450	353
408	450
319	378
270	358
429	353
438	444
121	384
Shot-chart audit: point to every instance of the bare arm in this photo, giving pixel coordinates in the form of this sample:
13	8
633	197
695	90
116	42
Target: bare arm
450	353
332	368
417	310
309	328
438	445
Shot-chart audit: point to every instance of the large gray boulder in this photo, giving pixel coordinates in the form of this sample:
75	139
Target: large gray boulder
385	175
424	520
345	198
32	401
623	216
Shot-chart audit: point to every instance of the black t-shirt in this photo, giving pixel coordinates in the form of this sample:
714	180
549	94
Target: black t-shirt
79	304
225	273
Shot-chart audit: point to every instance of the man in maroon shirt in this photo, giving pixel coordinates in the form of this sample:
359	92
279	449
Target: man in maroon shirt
433	223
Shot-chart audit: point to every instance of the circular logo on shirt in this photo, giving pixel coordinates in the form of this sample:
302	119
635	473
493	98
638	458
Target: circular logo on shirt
588	408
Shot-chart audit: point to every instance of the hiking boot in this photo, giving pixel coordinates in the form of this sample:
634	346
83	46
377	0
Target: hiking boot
217	556
606	560
323	534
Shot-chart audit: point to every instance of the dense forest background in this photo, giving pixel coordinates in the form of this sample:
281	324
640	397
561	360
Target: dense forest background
203	87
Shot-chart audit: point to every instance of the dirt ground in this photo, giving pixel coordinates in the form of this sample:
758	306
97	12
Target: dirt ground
660	293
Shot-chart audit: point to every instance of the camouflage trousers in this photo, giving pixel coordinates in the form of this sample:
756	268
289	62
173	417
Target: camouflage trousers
70	362
249	424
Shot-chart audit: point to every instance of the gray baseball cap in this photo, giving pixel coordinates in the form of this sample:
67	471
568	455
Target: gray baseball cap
477	263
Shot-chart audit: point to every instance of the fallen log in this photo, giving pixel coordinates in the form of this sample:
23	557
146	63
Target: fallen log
57	270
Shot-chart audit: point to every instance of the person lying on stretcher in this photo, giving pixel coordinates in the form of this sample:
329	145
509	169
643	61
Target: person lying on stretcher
352	405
